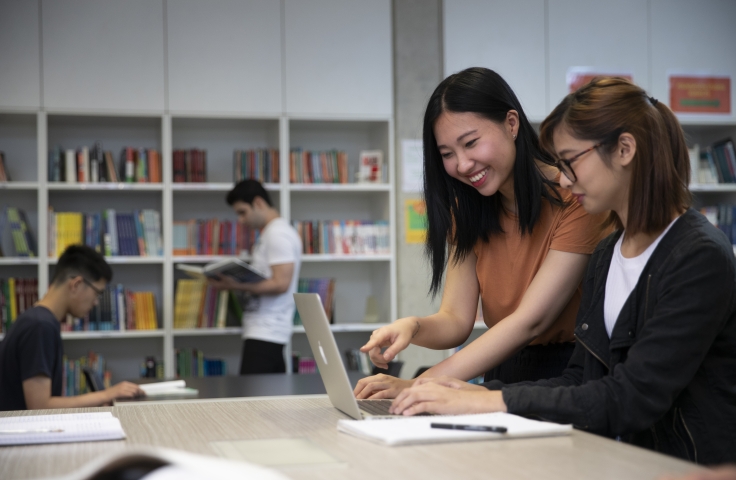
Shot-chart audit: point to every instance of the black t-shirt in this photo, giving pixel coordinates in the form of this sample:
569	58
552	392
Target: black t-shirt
31	347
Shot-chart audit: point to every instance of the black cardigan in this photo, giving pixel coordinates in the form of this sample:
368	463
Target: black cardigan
666	379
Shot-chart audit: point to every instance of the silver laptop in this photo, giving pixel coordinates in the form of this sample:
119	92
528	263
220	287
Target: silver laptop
329	361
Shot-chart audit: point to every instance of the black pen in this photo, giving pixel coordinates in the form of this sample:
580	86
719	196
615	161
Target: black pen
472	428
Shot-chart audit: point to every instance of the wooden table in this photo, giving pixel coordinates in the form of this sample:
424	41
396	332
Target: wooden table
192	425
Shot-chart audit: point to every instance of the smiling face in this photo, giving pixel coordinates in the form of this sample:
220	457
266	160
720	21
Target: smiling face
598	187
478	151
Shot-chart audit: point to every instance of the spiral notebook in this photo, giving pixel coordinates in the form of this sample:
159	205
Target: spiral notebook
61	428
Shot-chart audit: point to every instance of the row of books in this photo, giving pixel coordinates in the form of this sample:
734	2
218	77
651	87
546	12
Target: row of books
4	177
13	222
16	296
152	367
348	237
325	287
198	305
358	361
73	380
318	167
109	232
190	165
118	309
722	216
261	165
93	165
191	362
212	237
306	365
715	163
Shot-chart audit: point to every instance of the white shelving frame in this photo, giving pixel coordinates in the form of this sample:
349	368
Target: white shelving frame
165	196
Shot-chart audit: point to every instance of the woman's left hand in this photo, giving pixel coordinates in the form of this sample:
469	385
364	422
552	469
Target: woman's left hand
431	397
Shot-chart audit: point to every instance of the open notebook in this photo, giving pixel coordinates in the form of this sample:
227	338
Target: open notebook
62	428
414	430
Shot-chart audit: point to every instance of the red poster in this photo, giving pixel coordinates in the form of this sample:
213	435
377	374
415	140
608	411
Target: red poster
579	76
700	94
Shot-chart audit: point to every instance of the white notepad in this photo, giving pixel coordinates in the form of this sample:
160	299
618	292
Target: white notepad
415	430
174	388
62	428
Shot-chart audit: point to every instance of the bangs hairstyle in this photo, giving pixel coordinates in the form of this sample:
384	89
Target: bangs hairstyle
604	109
456	212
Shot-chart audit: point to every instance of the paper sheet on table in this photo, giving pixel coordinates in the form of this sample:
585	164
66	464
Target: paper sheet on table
70	427
414	430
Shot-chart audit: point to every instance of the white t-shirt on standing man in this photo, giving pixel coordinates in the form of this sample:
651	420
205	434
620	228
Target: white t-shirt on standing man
271	317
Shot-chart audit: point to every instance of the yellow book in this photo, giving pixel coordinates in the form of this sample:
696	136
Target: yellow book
179	303
195	303
152	311
11	294
222	308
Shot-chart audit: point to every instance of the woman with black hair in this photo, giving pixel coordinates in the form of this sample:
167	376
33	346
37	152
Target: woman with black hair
498	228
655	353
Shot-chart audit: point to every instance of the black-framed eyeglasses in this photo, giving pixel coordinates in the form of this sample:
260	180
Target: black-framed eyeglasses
565	165
99	292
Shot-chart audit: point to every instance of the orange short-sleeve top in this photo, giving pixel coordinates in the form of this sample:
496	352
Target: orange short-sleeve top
508	262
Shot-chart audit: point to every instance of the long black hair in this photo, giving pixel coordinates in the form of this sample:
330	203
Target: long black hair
456	212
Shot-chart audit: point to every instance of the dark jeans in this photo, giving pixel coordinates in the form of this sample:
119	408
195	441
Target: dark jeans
532	363
262	357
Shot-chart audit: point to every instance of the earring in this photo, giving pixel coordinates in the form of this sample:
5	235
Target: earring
514	136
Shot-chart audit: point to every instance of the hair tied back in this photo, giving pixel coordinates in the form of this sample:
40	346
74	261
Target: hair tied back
654	101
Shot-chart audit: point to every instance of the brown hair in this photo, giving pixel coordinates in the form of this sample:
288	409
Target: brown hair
604	109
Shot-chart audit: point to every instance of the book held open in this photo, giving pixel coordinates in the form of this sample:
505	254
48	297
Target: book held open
231	267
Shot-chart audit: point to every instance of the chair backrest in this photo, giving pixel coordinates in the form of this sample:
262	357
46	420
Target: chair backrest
394	369
92	380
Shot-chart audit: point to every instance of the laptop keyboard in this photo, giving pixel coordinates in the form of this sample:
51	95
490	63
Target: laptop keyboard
375	407
380	407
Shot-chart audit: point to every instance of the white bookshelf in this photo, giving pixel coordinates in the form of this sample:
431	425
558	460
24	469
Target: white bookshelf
27	137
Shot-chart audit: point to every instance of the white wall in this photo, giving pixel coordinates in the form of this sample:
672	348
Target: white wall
306	58
532	43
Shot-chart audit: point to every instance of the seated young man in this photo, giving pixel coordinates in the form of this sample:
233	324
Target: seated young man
31	353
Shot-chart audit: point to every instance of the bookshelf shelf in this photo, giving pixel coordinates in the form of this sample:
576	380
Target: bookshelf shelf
713	187
215	187
100	187
349	187
706	121
347	327
205	258
357	276
196	332
18	185
18	261
125	260
345	258
112	334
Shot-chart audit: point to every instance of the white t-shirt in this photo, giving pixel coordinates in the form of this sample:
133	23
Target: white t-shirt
623	275
271	317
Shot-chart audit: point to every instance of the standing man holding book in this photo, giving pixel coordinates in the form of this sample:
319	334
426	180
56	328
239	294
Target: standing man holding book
31	354
268	317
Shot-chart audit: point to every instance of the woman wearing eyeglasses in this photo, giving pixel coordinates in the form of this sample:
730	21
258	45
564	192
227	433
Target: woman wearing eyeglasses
498	229
655	356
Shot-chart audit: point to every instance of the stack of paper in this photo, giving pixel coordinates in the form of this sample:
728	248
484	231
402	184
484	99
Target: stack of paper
413	430
175	388
75	427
